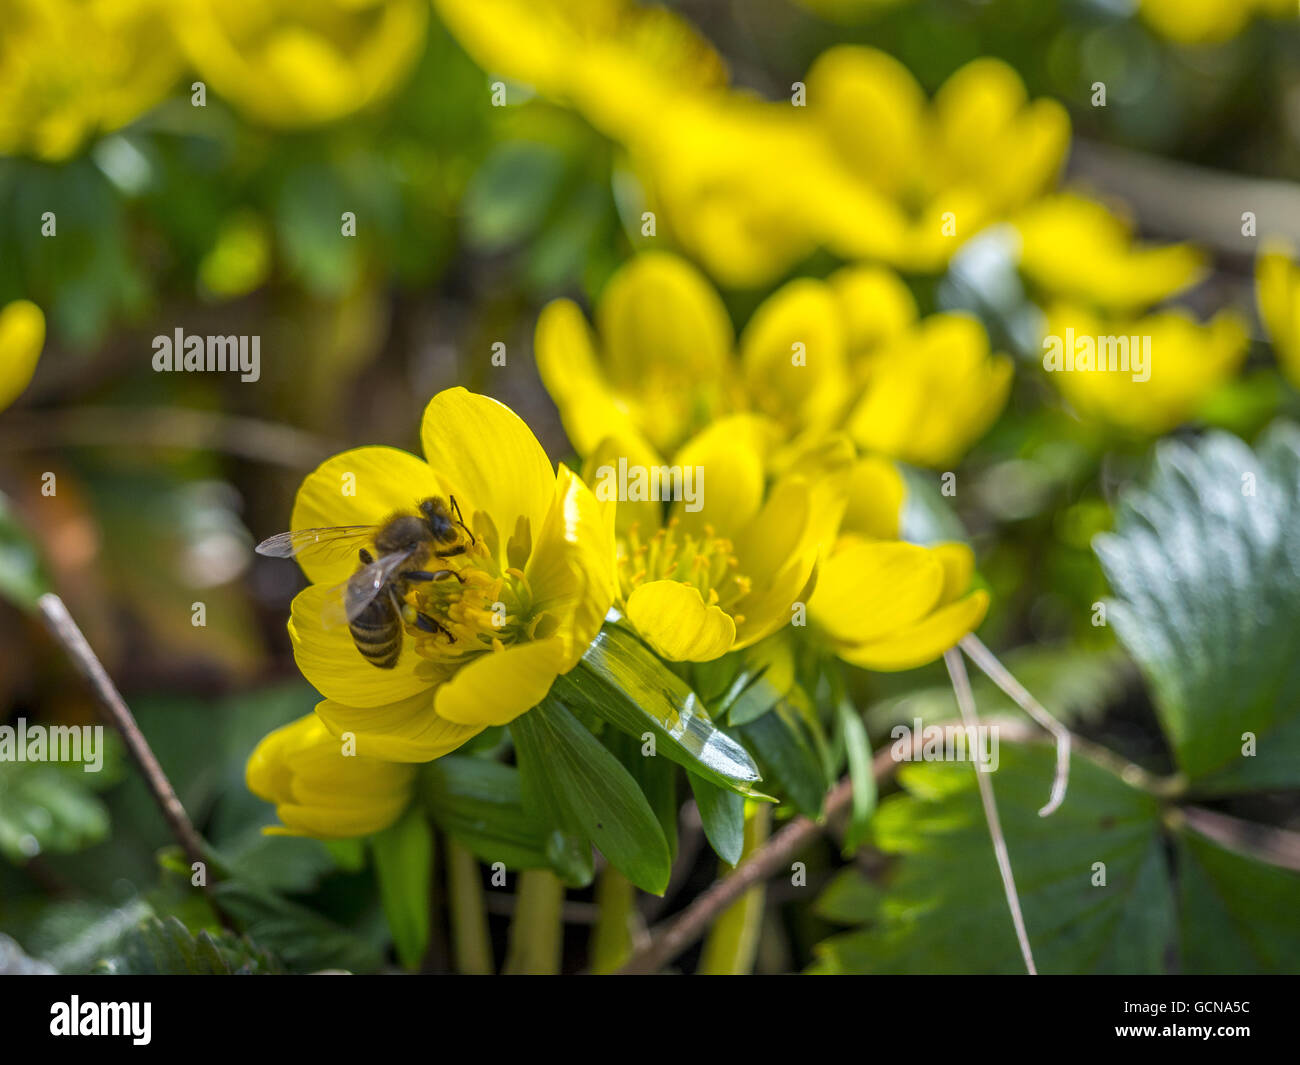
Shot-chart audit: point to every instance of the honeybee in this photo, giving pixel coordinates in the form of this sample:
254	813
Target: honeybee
371	601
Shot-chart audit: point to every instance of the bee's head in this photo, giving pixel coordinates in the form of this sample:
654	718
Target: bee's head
405	532
439	519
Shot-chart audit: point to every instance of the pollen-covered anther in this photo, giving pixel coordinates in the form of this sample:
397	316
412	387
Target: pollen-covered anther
699	558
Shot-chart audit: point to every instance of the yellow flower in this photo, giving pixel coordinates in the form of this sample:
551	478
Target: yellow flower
1078	249
321	791
22	335
1183	363
71	70
613	61
529	593
981	148
931	392
664	366
1277	290
301	62
726	566
749	187
1208	21
883	604
887	605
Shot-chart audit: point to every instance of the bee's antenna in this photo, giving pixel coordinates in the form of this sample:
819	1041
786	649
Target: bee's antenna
460	520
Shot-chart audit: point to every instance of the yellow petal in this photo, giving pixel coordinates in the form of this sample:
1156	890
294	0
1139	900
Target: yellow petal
794	355
726	465
875	304
22	335
659	311
958	562
333	666
923	642
572	570
673	618
363	486
603	472
496	688
875	499
566	361
488	458
321	791
873	109
867	590
406	731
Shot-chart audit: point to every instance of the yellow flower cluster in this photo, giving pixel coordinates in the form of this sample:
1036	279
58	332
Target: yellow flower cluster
779	445
858	160
74	69
1098	285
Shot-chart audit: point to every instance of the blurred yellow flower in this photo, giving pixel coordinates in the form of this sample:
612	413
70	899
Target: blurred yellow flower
613	61
663	366
726	565
531	590
815	357
22	336
301	62
1183	363
319	790
1208	21
952	165
1079	250
749	187
72	70
931	392
1277	290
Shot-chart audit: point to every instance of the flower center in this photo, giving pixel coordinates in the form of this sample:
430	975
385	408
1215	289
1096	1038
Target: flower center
487	605
672	554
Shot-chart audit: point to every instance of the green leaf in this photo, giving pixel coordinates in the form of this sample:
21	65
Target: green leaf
858	748
588	794
655	776
155	947
941	907
621	681
47	808
792	755
22	575
723	814
404	865
303	940
1205	566
1236	914
511	194
480	803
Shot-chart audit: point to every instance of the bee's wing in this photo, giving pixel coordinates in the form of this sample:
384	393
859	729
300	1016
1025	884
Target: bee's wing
328	544
345	601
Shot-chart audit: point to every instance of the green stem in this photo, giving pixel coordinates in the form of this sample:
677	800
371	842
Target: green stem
732	943
611	939
471	943
535	932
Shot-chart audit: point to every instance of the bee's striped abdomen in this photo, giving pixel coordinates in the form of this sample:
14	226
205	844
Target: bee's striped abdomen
377	632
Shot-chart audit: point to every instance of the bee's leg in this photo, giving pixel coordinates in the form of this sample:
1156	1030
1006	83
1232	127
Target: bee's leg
423	621
366	557
460	519
459	549
436	575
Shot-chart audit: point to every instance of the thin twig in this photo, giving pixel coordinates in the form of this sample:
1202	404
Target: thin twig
966	703
1001	676
64	629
